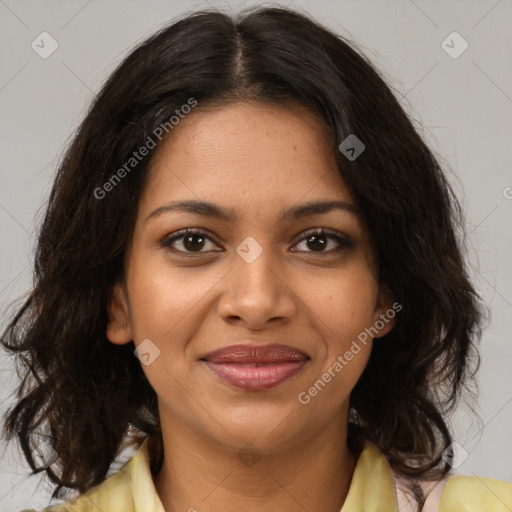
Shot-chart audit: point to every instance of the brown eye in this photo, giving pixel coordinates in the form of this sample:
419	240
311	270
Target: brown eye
318	240
193	242
189	241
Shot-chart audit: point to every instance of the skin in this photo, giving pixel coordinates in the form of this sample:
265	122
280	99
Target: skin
258	160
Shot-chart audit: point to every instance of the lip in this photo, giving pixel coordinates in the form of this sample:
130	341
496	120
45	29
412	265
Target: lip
252	353
256	367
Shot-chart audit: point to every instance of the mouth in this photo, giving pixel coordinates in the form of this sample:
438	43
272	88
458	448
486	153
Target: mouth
256	367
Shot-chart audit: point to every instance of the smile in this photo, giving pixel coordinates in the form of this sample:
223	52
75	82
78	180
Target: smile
256	376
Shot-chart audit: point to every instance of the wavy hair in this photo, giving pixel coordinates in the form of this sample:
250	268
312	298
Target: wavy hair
86	393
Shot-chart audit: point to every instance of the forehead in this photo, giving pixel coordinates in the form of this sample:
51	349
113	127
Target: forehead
250	155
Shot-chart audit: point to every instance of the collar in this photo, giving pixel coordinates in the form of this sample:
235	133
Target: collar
372	488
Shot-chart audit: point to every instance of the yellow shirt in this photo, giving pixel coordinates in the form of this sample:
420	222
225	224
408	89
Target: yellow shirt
372	489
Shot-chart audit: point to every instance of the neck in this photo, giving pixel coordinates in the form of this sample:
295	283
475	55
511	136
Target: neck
200	474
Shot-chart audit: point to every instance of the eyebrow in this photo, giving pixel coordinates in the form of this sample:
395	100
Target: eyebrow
207	209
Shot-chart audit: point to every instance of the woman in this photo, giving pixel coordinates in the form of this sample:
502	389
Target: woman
249	208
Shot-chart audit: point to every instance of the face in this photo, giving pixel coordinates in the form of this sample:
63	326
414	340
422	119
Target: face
262	270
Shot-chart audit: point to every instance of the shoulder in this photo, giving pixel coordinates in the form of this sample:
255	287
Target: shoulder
475	494
112	495
458	493
118	493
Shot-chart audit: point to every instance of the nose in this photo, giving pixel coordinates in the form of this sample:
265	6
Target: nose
257	292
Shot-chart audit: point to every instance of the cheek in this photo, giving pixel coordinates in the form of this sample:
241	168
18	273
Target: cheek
343	306
163	298
342	311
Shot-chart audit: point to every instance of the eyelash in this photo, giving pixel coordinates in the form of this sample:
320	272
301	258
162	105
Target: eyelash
343	241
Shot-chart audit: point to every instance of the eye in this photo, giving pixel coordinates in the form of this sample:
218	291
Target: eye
194	240
317	240
189	241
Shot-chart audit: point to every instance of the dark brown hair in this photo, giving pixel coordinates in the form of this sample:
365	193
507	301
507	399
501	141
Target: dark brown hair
85	392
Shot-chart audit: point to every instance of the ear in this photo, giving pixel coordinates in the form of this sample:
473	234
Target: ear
119	330
385	312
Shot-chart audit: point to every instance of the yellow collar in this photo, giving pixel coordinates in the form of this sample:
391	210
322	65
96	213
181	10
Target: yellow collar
372	487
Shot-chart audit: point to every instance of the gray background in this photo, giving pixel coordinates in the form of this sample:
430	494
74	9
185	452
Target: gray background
463	108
